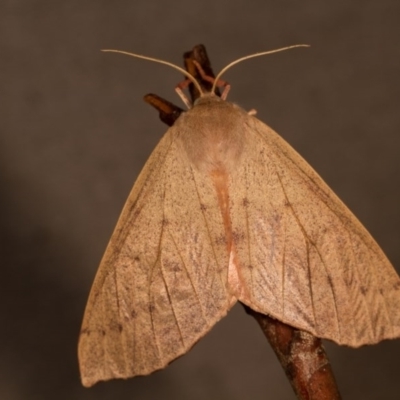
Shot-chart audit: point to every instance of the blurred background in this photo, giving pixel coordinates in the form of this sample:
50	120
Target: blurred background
75	133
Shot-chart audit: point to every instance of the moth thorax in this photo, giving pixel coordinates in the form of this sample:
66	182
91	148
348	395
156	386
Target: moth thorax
213	135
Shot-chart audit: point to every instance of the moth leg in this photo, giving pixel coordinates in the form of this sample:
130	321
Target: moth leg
252	112
225	86
179	89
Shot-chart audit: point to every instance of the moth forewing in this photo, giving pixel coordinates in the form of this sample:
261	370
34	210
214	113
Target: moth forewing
305	259
161	284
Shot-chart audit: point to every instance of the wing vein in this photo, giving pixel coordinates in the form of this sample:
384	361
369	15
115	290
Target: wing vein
208	232
308	240
150	296
119	315
283	272
248	236
189	277
310	281
356	269
381	295
172	306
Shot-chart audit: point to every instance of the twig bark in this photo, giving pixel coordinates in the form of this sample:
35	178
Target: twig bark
302	357
168	112
301	354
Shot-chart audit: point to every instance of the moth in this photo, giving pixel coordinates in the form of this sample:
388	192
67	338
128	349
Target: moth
223	211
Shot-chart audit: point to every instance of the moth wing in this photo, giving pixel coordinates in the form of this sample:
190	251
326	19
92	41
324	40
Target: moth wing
161	284
303	257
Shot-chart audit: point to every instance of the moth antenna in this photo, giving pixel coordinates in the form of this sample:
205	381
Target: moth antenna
263	53
156	60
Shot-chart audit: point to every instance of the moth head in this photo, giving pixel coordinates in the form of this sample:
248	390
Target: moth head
216	80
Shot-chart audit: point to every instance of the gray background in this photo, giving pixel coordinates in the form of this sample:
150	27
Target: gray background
75	134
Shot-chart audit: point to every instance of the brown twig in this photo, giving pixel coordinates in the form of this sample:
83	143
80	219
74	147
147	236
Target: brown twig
301	354
169	112
303	358
199	55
